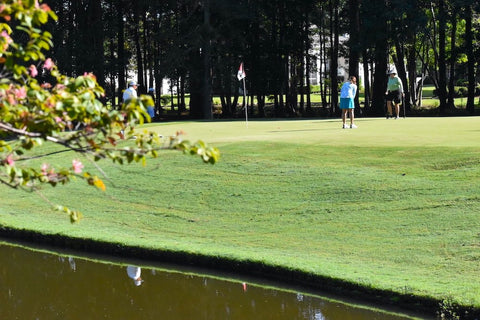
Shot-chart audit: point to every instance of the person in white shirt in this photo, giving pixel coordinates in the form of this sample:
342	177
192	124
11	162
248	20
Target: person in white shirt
130	92
347	101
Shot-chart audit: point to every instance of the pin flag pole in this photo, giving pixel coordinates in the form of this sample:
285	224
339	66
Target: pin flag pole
241	76
245	101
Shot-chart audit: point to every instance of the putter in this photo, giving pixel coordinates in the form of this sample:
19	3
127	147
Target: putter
386	109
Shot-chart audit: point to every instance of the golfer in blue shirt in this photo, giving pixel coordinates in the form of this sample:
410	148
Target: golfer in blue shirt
347	101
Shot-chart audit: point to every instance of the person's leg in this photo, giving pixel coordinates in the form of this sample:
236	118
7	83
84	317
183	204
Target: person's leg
344	116
352	119
389	108
397	110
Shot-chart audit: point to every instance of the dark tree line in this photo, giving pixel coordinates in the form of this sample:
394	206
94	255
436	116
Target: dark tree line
198	45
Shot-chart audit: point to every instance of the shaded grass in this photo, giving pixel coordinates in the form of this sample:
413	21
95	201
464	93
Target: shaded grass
393	205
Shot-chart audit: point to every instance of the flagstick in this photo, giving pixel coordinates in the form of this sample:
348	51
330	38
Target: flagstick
245	102
241	76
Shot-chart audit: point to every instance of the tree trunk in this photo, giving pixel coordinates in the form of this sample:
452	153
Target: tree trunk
366	79
471	60
138	49
112	73
308	61
95	29
334	39
442	64
412	73
380	62
158	78
207	78
399	59
354	45
453	59
121	50
322	67
379	79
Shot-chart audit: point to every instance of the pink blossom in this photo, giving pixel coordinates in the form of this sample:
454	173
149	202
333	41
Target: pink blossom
58	120
48	64
60	86
77	166
50	103
90	75
44	169
21	93
33	71
7	36
9	160
8	40
45	7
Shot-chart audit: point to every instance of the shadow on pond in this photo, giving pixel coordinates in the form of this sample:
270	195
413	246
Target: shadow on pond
39	284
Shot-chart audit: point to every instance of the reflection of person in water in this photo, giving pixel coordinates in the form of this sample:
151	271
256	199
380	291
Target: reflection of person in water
72	263
135	273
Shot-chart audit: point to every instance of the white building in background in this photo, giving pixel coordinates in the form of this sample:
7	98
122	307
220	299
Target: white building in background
167	87
322	64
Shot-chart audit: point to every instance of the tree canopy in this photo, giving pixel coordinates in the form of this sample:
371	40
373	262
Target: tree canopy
198	46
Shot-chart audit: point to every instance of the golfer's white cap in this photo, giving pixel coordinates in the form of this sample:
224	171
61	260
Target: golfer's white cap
132	83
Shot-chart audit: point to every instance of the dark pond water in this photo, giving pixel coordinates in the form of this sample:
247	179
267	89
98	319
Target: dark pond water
38	284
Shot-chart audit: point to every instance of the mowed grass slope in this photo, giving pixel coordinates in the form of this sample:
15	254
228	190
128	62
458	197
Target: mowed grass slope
394	204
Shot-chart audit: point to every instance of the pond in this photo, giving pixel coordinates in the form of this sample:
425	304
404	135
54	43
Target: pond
42	284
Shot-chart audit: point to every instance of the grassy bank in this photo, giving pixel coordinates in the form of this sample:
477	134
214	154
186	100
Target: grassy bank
393	205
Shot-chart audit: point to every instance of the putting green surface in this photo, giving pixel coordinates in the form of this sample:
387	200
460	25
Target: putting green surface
393	205
376	132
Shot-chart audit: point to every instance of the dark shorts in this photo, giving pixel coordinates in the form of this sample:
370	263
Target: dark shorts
394	96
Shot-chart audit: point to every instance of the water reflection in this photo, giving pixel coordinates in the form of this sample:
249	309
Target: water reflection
41	285
135	274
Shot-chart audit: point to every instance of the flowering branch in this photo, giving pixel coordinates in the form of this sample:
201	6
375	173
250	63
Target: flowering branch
66	111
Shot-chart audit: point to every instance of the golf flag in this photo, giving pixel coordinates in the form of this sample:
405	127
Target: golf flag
241	76
241	72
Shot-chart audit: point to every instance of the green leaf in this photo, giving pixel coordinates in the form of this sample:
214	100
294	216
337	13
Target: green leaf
42	16
78	82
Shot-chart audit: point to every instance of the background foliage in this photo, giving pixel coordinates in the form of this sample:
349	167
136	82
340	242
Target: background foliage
199	45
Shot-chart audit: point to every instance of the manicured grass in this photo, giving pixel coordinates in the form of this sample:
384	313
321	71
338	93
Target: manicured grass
393	205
